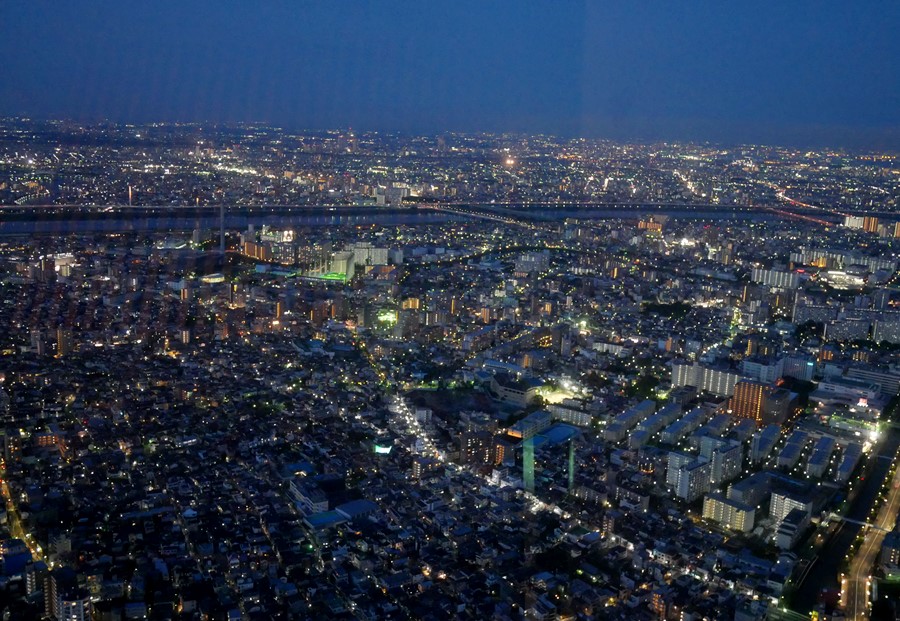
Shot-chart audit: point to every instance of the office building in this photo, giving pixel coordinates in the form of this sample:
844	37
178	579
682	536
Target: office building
799	367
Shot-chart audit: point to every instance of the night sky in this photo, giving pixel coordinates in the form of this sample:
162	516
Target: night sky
803	73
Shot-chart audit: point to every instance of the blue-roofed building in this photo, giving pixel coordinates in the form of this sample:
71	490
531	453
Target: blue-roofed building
357	508
324	520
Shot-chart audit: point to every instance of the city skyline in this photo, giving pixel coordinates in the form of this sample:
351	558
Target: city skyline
582	311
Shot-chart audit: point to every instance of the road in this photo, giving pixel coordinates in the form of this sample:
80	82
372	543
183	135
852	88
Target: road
855	587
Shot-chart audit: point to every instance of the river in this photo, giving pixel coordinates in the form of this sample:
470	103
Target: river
63	220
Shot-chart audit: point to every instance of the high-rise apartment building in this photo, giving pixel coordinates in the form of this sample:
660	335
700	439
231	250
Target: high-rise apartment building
760	402
693	480
732	514
776	278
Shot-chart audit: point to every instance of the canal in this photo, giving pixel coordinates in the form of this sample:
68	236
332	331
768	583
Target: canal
823	575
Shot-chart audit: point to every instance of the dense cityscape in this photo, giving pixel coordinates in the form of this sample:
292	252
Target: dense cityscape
247	373
64	163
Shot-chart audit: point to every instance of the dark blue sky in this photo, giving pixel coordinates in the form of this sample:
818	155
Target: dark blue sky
823	72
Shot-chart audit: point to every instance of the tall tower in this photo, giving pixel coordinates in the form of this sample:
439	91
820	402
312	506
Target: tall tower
748	399
64	342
